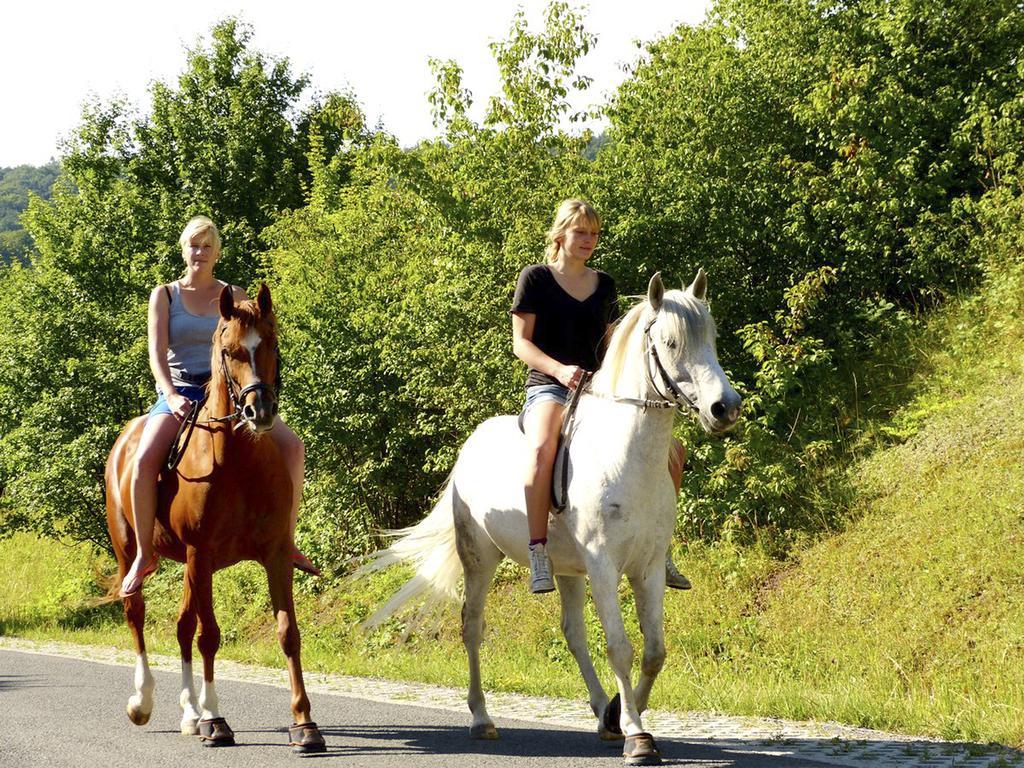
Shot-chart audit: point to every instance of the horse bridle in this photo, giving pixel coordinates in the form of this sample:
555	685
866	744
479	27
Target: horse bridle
237	404
559	500
678	397
675	400
238	399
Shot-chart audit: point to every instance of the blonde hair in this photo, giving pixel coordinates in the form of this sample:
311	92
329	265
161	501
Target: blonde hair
569	213
200	225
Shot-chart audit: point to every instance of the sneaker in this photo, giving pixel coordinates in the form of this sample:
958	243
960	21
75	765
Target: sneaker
540	570
673	578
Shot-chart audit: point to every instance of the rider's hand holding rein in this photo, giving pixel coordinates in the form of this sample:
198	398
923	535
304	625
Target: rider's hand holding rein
571	376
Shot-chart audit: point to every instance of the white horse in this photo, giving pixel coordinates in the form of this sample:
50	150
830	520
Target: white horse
620	513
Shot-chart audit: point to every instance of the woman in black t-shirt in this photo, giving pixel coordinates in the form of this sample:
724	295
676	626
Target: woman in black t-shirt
560	315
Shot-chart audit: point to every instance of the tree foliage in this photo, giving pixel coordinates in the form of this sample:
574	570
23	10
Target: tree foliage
230	141
834	166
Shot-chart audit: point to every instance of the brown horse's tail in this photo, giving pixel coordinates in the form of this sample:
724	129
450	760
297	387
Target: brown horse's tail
429	547
111	582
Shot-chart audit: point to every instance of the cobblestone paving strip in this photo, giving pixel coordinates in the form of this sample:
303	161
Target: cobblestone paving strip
825	742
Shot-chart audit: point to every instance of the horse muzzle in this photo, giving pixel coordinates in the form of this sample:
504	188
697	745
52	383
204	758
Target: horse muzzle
259	413
724	414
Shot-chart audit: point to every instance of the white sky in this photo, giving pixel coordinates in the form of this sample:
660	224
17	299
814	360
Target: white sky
56	53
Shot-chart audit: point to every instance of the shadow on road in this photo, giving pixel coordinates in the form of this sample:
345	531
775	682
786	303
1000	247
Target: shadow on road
15	682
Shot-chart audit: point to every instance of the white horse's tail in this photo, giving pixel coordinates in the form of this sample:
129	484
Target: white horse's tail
429	547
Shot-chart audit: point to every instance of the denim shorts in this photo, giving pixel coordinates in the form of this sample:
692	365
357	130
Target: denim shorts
554	393
192	393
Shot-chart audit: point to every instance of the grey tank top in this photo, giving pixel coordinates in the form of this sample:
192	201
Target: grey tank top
189	342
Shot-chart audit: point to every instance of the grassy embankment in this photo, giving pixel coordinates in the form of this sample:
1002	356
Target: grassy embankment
910	619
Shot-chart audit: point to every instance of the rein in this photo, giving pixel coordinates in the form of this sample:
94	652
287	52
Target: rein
568	422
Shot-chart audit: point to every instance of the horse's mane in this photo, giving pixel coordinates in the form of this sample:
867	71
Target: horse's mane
690	315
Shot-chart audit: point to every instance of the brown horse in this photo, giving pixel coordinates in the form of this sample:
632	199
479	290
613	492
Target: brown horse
229	499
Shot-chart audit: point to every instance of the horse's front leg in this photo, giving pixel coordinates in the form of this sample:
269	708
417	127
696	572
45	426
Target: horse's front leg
304	735
573	593
604	581
213	729
639	747
649	590
187	621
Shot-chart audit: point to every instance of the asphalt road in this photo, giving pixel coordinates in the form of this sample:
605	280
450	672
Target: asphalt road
59	712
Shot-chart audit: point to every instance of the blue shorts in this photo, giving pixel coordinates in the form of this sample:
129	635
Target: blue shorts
541	393
192	393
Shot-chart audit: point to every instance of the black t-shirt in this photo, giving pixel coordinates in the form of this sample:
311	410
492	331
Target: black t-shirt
565	329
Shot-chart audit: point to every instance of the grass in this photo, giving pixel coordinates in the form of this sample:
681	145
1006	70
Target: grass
909	619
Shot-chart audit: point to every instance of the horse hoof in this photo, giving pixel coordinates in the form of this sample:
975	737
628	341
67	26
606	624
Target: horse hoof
216	733
484	732
640	749
610	720
305	738
136	715
190	727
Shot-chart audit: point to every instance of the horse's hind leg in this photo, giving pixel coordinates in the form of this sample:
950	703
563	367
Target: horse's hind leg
279	580
199	581
573	593
649	591
140	703
479	559
187	621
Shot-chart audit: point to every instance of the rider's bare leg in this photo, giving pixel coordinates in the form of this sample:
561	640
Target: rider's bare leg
541	424
154	445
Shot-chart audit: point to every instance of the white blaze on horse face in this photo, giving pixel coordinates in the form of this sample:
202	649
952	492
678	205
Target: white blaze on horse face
250	342
208	700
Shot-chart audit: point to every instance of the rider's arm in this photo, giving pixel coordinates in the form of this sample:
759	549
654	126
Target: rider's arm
531	354
158	320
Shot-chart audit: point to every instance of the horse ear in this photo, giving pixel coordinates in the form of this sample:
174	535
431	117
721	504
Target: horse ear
263	300
699	287
227	303
656	291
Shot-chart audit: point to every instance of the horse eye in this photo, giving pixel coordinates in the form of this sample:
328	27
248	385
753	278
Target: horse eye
671	343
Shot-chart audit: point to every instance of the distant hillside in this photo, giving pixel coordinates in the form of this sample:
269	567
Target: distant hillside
15	184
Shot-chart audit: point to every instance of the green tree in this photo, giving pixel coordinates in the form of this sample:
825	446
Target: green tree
231	141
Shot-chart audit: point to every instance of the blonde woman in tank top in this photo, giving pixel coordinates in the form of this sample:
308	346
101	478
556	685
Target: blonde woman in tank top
182	319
